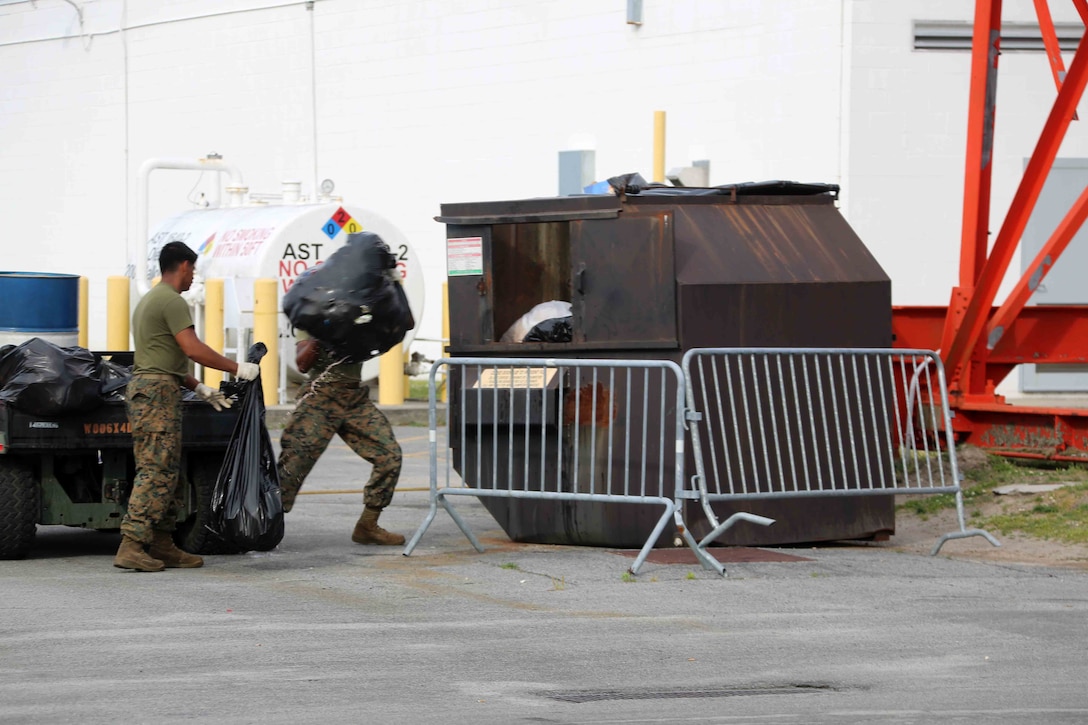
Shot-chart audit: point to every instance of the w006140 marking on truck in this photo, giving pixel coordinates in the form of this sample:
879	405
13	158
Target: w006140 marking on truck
107	428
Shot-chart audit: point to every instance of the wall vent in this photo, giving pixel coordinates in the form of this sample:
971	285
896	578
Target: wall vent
942	35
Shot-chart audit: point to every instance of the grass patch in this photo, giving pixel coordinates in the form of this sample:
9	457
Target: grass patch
417	389
509	565
982	473
1060	515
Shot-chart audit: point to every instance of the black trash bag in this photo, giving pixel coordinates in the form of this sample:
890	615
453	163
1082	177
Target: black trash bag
557	329
41	378
114	378
246	508
353	302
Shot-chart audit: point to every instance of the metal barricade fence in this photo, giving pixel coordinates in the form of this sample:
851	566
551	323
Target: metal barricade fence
780	422
599	433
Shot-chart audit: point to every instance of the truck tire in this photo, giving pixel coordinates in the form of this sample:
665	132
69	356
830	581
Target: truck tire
20	504
193	534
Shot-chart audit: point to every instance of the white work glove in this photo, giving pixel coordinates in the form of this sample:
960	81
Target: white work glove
248	371
212	397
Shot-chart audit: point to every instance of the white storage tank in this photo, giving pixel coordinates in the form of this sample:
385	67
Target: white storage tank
240	244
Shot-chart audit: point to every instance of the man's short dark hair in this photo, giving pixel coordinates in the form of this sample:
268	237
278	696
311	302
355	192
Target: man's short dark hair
173	254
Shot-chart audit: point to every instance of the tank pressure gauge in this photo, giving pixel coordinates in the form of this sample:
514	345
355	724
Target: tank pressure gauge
327	186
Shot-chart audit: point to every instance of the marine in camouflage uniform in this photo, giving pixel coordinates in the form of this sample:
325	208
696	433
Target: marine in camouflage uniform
162	329
334	401
154	410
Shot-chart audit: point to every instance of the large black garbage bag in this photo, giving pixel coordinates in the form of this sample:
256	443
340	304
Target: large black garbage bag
557	329
41	378
246	507
353	301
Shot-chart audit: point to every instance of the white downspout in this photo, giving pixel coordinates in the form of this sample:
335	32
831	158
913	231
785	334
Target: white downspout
148	166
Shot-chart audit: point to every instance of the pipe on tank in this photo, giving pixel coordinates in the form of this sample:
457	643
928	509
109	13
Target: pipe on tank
207	164
236	196
292	192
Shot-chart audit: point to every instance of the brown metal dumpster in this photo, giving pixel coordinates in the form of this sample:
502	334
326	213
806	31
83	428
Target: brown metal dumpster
650	273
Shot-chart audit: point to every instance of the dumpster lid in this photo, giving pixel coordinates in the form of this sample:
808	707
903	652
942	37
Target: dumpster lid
634	184
631	187
543	209
747	188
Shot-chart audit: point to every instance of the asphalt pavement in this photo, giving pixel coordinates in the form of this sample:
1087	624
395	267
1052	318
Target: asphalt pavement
323	630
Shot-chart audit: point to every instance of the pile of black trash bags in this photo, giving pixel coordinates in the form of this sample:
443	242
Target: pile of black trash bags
353	302
42	378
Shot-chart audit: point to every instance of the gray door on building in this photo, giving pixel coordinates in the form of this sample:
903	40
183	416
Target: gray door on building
1065	283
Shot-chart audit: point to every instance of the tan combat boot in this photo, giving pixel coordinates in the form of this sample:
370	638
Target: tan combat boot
164	549
367	530
131	555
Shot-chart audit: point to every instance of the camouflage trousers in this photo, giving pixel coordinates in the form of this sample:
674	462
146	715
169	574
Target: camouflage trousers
342	408
154	410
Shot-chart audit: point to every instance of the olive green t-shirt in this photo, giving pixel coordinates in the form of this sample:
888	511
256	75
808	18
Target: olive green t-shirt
161	314
325	360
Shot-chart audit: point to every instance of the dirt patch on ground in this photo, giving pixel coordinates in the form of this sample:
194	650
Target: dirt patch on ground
918	534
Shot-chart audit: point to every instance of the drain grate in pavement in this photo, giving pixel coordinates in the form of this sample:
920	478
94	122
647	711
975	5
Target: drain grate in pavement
579	696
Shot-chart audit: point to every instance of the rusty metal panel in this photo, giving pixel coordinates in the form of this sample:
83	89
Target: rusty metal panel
763	243
623	285
1057	434
786	315
533	263
799	521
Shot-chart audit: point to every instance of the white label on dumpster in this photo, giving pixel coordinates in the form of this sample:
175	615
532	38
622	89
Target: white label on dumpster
515	378
464	256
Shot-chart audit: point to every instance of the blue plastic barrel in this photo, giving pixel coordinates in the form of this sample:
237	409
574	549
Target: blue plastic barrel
39	304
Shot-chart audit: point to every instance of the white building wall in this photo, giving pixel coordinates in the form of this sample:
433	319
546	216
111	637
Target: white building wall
408	104
62	135
908	139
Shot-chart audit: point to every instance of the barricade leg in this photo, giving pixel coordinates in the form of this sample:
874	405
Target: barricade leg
709	562
457	517
963	535
670	508
964	532
728	524
411	545
440	498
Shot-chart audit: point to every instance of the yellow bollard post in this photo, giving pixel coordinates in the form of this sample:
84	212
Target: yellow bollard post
390	374
445	338
213	327
659	146
83	311
266	310
117	313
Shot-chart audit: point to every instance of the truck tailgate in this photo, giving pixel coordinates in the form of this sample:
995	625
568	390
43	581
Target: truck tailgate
106	427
